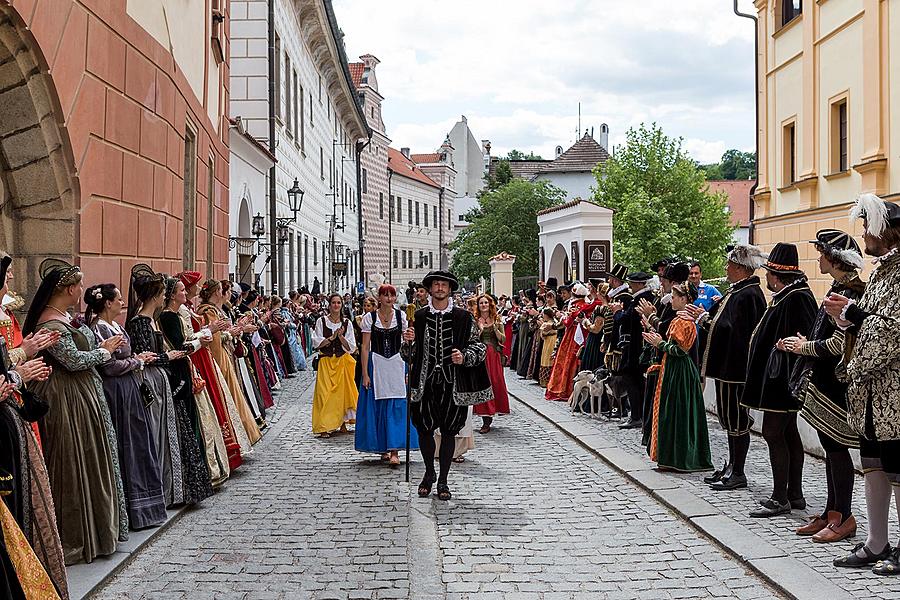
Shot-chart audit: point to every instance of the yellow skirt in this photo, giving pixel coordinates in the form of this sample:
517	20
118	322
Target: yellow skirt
334	399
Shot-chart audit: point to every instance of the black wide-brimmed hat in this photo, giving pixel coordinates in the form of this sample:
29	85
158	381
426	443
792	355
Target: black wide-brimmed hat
441	276
840	246
784	260
677	272
619	271
639	277
663	262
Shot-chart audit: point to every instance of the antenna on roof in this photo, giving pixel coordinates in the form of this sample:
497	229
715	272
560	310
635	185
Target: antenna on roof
578	130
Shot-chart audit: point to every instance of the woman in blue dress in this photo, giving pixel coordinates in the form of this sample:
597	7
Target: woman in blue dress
381	410
289	323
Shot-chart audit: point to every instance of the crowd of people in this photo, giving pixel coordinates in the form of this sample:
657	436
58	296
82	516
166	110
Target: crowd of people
655	340
151	398
148	399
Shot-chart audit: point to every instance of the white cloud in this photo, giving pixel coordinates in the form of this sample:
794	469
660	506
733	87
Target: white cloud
517	70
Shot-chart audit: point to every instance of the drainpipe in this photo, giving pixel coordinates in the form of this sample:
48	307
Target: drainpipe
390	230
756	106
273	204
360	146
440	230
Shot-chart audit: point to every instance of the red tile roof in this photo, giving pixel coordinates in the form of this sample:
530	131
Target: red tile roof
425	158
738	192
401	165
356	73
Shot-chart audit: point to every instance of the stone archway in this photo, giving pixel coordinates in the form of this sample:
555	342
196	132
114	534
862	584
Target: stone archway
38	189
559	265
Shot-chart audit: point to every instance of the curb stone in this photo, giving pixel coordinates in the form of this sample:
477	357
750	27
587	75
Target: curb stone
786	574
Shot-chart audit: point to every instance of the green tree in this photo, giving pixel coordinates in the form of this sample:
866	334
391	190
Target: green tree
519	155
661	203
502	175
504	221
712	171
738	165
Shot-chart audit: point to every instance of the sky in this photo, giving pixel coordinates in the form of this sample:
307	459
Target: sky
517	70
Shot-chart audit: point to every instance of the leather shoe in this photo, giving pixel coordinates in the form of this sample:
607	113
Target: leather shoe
889	565
630	424
836	531
734	482
798	503
813	527
870	558
717	475
771	509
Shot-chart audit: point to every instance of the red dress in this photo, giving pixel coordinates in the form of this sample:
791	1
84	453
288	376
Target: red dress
499	405
202	360
565	366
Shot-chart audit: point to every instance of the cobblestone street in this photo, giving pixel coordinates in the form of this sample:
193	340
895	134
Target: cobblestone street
534	515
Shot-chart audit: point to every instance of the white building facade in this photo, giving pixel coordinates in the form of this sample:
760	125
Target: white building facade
319	129
471	160
416	204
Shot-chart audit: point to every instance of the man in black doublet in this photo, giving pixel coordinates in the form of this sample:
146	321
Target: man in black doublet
446	377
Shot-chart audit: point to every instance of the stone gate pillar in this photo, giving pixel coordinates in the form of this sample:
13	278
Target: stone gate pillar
502	274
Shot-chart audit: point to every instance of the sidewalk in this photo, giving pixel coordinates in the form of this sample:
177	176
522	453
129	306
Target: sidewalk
796	565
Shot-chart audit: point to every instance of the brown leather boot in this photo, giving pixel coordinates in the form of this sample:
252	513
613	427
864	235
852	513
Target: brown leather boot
813	527
836	531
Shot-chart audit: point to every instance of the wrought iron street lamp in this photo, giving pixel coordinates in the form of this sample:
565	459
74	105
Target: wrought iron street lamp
258	229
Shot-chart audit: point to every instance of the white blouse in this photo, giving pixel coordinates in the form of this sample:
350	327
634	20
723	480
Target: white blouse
366	323
319	336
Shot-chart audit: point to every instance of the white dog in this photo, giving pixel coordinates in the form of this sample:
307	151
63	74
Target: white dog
581	389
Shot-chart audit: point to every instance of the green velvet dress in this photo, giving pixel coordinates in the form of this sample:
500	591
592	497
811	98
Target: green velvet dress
679	439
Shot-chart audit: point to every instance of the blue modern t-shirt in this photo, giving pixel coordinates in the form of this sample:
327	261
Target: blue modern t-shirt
705	296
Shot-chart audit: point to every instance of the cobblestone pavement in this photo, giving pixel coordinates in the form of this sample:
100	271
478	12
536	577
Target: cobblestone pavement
534	515
737	504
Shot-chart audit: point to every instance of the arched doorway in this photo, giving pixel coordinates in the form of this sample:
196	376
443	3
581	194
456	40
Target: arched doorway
245	245
38	189
559	265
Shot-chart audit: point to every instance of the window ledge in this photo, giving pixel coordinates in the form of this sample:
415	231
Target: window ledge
788	188
837	175
789	25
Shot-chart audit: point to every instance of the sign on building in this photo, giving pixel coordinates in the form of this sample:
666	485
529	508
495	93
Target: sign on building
596	258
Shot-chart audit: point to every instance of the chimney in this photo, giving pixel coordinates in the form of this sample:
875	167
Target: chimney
604	137
404	152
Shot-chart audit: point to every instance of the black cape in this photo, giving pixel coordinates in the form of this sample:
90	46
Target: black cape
792	311
730	325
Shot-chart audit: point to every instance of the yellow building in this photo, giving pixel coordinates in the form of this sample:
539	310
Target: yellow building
829	116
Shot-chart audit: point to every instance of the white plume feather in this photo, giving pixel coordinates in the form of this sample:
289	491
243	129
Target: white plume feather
873	209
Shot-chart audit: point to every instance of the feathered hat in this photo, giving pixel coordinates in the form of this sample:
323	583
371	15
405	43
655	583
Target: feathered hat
879	214
747	256
839	246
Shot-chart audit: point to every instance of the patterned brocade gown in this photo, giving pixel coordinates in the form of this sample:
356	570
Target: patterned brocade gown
80	447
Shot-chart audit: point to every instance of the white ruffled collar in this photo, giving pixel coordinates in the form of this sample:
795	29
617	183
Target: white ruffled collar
435	311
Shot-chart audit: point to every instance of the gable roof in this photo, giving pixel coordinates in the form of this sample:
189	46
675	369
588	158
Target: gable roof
526	169
583	156
738	192
356	73
433	157
401	165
